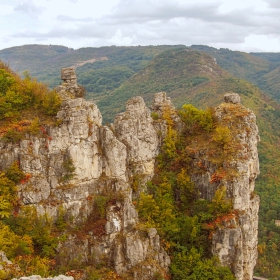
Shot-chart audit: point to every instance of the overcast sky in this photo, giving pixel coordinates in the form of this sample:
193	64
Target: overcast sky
246	25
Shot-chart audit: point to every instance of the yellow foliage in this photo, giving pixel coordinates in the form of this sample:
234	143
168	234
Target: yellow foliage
222	135
13	244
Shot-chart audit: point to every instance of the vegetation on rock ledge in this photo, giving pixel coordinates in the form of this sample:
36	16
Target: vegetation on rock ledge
172	205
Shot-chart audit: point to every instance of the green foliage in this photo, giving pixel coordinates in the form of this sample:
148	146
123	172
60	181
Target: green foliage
154	116
34	127
191	265
12	136
39	228
69	169
14	173
220	204
6	81
196	119
100	204
8	195
13	244
60	222
51	103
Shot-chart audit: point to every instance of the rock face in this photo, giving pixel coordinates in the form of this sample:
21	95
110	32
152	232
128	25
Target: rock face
235	240
135	128
70	88
79	163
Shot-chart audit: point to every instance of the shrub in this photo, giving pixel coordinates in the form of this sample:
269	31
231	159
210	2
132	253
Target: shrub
51	103
14	173
196	119
222	135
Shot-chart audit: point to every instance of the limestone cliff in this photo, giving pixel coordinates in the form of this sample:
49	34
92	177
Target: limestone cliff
79	161
235	239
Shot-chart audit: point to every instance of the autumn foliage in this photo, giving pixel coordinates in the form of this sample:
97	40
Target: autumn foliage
22	102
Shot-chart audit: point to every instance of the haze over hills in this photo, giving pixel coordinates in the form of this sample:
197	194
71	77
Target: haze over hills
199	75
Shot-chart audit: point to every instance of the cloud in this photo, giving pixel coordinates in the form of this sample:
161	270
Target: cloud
166	21
154	22
274	4
145	11
83	31
29	8
72	19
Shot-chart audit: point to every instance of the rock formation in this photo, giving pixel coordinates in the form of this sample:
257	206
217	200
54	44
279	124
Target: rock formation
80	161
236	245
235	241
70	87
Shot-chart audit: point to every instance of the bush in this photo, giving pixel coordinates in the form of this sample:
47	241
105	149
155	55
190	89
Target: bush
222	135
51	103
195	119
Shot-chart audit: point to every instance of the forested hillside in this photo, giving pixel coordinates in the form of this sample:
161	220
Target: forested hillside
260	69
100	70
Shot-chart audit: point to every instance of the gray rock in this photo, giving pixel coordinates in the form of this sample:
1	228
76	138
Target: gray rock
152	232
232	98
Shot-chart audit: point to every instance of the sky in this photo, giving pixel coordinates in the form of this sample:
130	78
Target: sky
244	25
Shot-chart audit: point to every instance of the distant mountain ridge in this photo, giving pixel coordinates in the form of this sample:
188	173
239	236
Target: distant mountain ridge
44	62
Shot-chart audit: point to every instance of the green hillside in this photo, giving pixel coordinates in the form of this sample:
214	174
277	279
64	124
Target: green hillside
100	70
187	76
239	64
261	69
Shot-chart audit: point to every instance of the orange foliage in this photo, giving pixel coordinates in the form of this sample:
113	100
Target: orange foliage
25	179
218	176
228	220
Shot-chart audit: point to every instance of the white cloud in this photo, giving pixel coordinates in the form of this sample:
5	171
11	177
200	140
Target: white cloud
274	4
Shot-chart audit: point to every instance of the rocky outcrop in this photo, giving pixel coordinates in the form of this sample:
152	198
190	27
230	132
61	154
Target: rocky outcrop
235	240
135	129
80	164
70	88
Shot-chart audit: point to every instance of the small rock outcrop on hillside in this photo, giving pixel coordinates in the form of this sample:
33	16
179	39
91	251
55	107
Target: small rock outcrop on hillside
81	161
70	88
